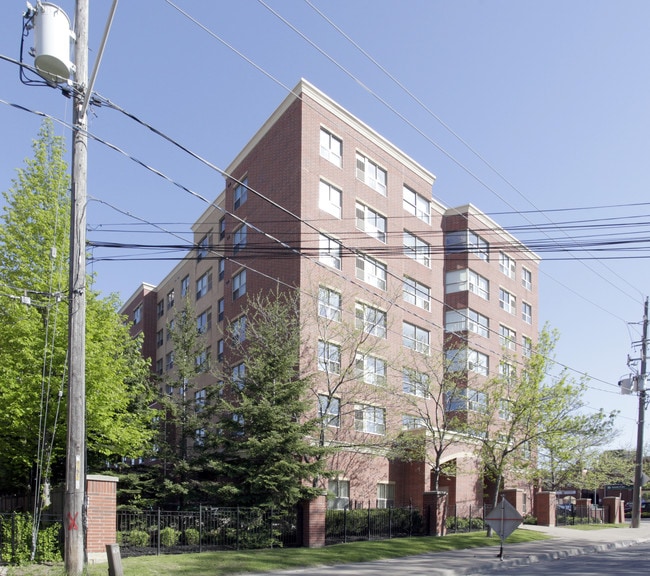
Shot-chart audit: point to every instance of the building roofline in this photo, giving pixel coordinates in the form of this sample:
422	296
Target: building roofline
306	88
493	226
144	287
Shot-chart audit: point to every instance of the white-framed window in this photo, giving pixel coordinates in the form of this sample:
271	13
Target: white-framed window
203	246
221	267
415	204
371	174
239	239
170	299
329	357
329	199
417	249
415	383
185	286
239	285
222	228
370	369
199	437
200	398
411	422
465	399
370	419
371	271
507	371
371	320
416	293
340	490
160	308
469	320
238	330
507	337
467	359
371	222
169	360
204	321
159	366
466	279
415	338
160	338
507	265
329	251
527	312
170	329
220	348
239	376
201	360
505	409
204	284
241	193
467	241
220	309
526	346
137	314
385	494
526	278
331	147
329	303
507	301
329	409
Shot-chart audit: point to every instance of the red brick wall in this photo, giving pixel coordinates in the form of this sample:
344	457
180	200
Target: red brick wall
102	512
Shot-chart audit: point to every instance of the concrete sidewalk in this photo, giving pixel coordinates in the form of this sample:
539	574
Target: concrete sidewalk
564	542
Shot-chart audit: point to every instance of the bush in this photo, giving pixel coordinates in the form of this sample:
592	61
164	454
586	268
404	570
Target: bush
16	539
529	519
137	538
169	537
191	537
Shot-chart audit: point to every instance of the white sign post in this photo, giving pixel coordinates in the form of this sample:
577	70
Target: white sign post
504	520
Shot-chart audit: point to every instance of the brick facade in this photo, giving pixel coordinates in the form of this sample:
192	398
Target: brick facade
285	170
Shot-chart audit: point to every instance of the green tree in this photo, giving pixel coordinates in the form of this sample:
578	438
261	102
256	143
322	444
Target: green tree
428	392
181	417
525	409
34	248
262	446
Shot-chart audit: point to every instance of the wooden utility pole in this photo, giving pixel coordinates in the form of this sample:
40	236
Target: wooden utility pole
638	461
74	521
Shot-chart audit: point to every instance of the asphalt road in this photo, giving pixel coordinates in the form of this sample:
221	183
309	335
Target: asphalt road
620	562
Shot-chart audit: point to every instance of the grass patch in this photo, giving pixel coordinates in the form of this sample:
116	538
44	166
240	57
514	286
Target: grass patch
250	561
595	526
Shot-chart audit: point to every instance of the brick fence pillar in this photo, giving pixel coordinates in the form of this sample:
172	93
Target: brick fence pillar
101	492
612	506
545	507
515	496
435	511
311	522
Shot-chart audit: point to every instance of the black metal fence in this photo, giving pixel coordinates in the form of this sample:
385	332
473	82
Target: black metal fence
163	532
466	518
348	525
570	514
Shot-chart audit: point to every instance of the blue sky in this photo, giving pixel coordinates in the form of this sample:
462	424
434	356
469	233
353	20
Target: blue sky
536	112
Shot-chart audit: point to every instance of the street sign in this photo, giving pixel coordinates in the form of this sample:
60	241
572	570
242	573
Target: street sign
504	520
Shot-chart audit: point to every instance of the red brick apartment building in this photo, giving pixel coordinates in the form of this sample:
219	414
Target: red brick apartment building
388	277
